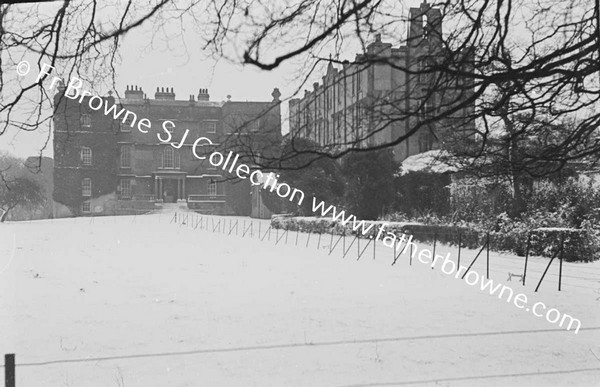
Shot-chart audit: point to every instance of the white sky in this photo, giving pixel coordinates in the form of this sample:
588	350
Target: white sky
154	62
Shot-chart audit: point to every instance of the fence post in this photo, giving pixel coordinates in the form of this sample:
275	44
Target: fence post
487	262
459	248
545	271
562	244
526	256
9	370
374	247
331	239
434	245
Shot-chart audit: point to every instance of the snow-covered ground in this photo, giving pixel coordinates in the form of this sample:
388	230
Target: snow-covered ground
138	301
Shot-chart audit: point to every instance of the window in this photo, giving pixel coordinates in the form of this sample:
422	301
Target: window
85	120
124	127
170	128
210	126
86	155
420	69
125	185
427	109
125	156
425	142
86	206
254	126
170	159
212	188
86	187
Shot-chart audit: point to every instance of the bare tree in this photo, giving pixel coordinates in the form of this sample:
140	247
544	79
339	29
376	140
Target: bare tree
541	57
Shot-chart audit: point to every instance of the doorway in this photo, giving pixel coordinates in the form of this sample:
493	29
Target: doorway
170	190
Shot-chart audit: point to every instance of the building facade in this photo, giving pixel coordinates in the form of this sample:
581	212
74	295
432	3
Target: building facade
106	164
385	93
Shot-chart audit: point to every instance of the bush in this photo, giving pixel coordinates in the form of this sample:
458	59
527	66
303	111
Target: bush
369	176
572	203
579	245
315	175
422	192
477	199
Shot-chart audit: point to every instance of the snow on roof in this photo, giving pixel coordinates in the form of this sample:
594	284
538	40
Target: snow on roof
430	161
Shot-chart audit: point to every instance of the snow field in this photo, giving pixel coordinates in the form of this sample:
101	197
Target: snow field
144	302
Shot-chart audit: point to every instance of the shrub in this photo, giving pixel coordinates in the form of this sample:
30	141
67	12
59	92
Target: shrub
579	244
369	188
423	192
315	175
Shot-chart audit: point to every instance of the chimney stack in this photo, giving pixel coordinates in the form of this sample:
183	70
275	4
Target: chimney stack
203	95
164	95
134	92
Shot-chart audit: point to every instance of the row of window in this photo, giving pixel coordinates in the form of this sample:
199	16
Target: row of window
86	192
169	158
124	189
206	126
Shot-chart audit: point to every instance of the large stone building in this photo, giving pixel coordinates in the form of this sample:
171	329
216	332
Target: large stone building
105	165
385	93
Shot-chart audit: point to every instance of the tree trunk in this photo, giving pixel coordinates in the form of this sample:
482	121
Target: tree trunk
3	216
519	188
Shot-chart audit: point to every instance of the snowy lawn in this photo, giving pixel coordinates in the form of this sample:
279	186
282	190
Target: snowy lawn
137	301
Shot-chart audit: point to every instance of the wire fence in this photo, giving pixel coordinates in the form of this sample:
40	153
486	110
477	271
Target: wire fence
355	246
346	246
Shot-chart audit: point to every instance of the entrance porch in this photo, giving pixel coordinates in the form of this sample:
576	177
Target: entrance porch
170	187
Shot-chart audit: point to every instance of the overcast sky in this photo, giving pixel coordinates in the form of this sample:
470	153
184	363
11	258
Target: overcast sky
151	61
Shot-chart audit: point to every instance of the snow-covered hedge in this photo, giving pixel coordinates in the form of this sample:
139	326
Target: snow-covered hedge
579	244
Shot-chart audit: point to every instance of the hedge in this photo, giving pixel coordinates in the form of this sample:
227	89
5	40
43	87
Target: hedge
579	244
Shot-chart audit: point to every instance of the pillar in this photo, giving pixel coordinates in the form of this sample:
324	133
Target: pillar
184	197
